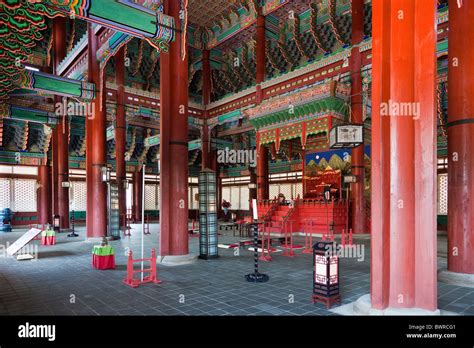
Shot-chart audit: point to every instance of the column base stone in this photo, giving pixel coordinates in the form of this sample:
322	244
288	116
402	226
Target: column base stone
97	239
363	306
176	260
455	278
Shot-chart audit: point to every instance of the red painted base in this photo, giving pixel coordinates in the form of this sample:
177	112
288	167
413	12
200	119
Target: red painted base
103	262
134	283
329	301
49	240
288	253
151	278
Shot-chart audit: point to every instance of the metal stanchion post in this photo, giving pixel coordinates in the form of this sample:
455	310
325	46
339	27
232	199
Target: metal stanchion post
73	233
256	277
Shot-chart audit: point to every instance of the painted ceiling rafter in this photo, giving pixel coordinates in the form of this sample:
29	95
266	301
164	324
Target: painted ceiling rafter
297	38
333	22
124	16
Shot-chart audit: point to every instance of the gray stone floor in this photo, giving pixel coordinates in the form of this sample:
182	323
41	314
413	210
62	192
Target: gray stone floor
62	282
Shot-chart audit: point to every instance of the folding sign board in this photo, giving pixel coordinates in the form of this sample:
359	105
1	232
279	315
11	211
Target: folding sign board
22	241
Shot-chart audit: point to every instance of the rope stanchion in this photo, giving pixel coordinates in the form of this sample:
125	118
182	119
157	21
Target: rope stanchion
289	249
289	253
127	227
346	238
265	256
146	229
256	277
308	237
73	232
151	278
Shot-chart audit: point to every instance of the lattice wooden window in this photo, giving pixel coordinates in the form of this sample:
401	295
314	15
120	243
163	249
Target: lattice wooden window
298	190
193	202
235	197
152	197
290	191
226	195
5	193
274	190
244	198
78	196
24	195
286	190
442	194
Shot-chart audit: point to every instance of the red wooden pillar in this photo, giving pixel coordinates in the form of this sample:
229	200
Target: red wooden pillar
260	47
206	77
205	147
137	194
60	150
120	134
461	139
63	171
403	261
253	181
206	99
96	223
263	190
44	207
174	143
358	199
262	151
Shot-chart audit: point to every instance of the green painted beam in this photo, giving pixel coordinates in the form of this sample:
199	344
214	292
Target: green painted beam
28	115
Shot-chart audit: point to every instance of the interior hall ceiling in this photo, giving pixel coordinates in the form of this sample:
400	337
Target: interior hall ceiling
205	13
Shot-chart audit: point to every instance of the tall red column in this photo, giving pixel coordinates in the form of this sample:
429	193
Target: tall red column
137	194
44	193
260	47
206	147
96	147
253	181
263	190
403	251
120	134
63	171
358	199
174	143
206	77
60	150
461	139
206	99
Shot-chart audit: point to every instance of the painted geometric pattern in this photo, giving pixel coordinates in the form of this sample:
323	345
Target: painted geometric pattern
442	194
24	195
290	191
237	196
78	196
152	197
5	193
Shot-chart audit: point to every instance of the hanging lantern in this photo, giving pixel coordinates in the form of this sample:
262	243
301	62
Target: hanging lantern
325	274
346	136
